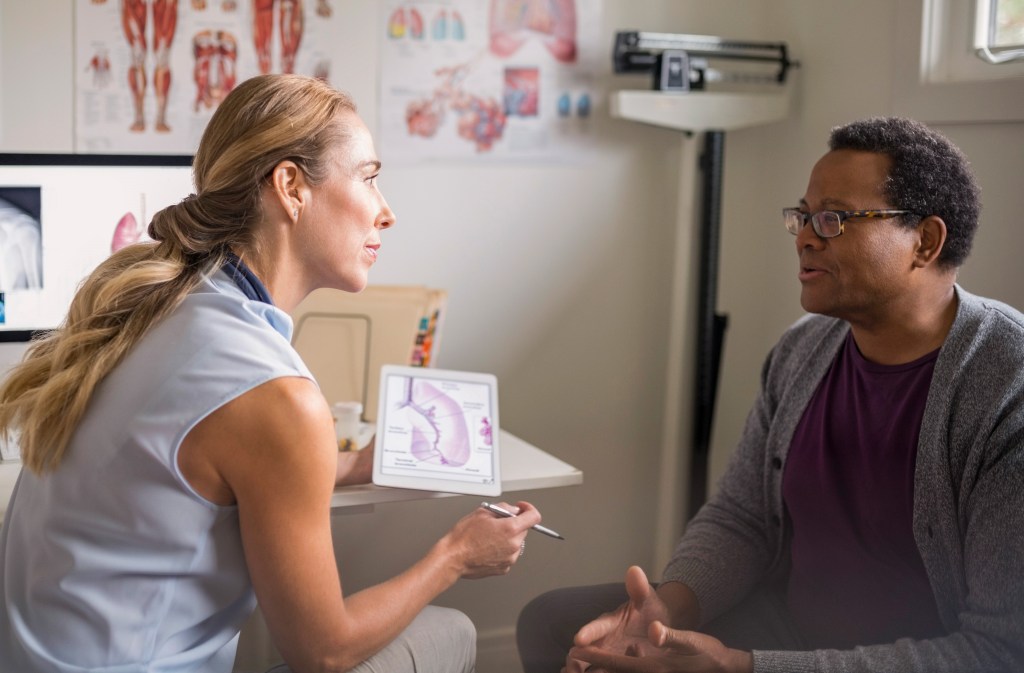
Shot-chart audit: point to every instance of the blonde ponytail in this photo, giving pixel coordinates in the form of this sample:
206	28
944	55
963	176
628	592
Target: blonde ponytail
264	121
47	394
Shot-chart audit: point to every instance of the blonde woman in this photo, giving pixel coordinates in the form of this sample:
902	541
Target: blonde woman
179	457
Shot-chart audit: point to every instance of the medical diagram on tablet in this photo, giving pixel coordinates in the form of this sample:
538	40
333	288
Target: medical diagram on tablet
437	430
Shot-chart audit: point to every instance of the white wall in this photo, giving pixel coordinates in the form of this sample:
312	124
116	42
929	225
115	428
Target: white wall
560	276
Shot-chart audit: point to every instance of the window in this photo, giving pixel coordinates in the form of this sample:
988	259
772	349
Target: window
954	35
937	74
999	30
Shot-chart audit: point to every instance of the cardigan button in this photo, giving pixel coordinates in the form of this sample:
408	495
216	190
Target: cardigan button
777	463
776	520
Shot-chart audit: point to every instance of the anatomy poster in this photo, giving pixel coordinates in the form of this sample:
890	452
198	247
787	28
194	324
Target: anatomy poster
149	73
488	79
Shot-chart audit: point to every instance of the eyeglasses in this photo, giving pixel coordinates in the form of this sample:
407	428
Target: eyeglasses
829	223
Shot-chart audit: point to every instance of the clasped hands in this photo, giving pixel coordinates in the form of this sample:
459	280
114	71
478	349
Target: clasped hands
635	638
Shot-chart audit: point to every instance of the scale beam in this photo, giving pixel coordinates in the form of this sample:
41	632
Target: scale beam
681	62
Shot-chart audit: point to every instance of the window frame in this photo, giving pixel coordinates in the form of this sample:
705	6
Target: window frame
925	84
984	19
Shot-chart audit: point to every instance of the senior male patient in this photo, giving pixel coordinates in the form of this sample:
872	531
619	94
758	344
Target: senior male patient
872	516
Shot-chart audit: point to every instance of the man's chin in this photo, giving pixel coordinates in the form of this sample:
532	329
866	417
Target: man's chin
812	304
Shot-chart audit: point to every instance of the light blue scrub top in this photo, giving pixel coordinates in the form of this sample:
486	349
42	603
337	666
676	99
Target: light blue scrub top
113	562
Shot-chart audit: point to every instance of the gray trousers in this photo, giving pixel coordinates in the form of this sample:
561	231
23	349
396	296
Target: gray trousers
439	640
547	624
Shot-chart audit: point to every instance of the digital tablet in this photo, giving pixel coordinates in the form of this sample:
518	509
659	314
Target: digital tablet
437	430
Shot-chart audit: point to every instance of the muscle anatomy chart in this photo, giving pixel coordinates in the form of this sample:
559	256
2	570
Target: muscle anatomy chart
487	78
150	73
438	426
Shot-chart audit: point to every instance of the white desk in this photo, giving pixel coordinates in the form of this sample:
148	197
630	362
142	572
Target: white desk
523	467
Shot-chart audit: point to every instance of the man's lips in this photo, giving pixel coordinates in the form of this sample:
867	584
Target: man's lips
810	272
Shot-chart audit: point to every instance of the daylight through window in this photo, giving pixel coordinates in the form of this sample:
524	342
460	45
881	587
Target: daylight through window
999	30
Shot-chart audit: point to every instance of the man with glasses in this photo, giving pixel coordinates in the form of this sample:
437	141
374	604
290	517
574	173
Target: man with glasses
871	517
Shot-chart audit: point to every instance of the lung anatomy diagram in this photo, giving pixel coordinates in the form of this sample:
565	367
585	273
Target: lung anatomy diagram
439	432
489	65
481	120
514	22
440	425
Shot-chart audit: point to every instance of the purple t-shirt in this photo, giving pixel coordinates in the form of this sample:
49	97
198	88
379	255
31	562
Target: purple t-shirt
857	576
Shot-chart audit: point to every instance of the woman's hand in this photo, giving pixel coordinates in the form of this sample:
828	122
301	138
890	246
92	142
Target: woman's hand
481	544
355	467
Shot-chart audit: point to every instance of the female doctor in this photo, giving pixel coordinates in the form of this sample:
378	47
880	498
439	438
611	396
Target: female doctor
179	457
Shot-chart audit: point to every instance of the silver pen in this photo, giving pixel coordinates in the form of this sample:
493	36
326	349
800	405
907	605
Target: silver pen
499	511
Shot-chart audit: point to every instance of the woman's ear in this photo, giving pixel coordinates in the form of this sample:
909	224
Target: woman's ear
931	240
290	189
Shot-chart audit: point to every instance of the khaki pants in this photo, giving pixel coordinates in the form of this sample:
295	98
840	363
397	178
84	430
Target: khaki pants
439	640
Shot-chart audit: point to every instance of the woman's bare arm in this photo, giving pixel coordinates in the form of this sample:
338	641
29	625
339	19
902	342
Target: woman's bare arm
275	451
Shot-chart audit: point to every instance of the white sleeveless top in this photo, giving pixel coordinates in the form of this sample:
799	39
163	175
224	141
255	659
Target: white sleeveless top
113	562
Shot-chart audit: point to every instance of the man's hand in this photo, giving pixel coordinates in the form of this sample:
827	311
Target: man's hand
674	652
624	631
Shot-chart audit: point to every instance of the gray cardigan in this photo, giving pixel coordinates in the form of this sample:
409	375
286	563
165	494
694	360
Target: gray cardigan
968	498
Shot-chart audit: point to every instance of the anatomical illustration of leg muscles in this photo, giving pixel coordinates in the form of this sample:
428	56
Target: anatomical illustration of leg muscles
134	19
290	26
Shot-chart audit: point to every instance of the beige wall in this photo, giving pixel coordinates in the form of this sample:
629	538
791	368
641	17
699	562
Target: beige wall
560	275
843	76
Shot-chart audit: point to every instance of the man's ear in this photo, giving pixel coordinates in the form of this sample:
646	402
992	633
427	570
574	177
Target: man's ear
290	188
931	240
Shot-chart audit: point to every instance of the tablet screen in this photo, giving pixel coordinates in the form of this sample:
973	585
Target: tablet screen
437	430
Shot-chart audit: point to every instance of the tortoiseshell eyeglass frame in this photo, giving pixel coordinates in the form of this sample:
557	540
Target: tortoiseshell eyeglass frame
795	219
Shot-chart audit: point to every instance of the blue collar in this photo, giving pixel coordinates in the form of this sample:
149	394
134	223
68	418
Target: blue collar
246	280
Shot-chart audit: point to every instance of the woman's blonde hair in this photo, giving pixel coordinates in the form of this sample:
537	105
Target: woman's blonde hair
265	120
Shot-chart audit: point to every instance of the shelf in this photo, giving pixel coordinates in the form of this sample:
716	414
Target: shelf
524	467
699	110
